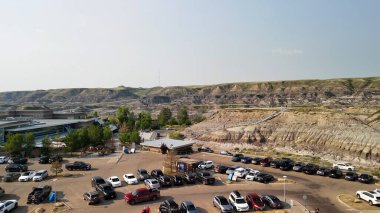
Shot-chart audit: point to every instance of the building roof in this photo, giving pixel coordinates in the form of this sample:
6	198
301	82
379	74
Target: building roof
170	143
38	123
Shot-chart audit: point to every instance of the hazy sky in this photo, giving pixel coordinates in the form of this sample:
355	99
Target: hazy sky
79	43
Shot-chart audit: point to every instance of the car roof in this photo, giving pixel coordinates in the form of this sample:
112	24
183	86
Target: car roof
187	203
141	189
113	177
93	193
253	195
42	170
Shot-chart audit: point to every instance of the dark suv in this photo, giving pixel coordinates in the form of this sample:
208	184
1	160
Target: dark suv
237	157
165	181
106	191
142	174
169	206
156	173
310	169
16	168
188	178
97	180
177	180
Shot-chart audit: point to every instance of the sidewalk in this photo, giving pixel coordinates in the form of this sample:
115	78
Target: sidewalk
296	207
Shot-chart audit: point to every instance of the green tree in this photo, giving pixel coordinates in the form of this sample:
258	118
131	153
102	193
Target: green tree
56	168
172	121
164	116
46	146
183	116
198	118
176	135
144	121
123	137
28	143
72	141
95	135
14	144
107	134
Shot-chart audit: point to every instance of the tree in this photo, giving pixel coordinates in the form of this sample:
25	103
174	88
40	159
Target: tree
198	118
56	168
172	121
183	116
46	146
144	121
14	144
164	149
107	134
28	143
164	116
122	114
95	135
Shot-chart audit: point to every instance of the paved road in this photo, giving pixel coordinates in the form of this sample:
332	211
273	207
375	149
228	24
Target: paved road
321	191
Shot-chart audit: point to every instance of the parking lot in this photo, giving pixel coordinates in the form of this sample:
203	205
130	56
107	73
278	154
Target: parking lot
321	191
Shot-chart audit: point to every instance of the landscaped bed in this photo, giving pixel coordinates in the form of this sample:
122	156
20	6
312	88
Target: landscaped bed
355	203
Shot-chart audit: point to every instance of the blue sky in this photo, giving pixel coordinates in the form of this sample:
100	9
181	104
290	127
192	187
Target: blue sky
92	43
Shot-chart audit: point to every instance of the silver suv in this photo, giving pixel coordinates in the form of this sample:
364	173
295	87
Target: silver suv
222	203
40	175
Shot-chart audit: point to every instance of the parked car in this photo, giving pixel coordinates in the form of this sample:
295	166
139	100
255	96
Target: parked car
286	166
141	195
169	206
41	175
323	171
265	162
238	202
310	169
371	197
130	179
2	192
205	149
335	173
256	160
241	172
27	176
97	180
237	157
206	178
106	191
255	202
16	168
263	178
246	160
78	165
189	178
206	165
188	207
10	177
231	169
226	153
114	181
343	166
43	160
298	166
18	160
272	201
39	194
275	163
55	158
222	204
365	178
8	205
156	173
3	159
91	197
165	181
220	169
142	174
177	180
351	176
152	183
251	175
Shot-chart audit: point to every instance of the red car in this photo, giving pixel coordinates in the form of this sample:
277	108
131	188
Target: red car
141	195
254	201
266	162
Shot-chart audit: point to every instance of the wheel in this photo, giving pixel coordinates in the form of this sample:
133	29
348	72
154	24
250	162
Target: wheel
358	196
154	198
6	211
370	203
132	202
16	205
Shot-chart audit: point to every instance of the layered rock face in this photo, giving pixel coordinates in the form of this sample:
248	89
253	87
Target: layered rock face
332	133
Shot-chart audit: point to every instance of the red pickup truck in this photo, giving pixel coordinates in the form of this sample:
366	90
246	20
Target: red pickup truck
141	195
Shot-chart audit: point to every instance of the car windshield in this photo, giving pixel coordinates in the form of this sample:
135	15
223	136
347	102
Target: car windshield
39	173
134	193
107	188
115	179
154	182
143	172
274	199
239	200
26	174
94	196
191	207
130	176
257	200
223	201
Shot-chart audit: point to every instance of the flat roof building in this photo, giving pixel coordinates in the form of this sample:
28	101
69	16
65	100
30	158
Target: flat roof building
178	146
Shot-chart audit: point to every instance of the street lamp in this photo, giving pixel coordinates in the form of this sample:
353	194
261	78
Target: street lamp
284	188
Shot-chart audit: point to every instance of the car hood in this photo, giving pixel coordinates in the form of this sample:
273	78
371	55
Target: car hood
227	207
241	205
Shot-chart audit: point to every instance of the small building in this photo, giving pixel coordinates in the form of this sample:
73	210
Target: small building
187	165
178	146
148	136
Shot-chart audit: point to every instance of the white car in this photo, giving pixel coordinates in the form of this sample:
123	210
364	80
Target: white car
8	205
114	181
241	172
152	183
40	175
26	176
373	198
344	166
4	159
130	179
225	153
206	165
251	175
238	202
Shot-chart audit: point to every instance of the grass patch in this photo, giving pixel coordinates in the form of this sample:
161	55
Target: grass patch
355	203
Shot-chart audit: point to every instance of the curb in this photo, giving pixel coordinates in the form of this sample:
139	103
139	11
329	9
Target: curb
345	204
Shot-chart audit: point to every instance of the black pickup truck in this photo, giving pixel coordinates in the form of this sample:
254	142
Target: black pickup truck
39	194
206	178
78	165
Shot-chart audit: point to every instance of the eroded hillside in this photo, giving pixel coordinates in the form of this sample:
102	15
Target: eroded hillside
328	132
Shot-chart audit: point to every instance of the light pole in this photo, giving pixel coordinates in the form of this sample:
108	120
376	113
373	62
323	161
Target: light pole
284	188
